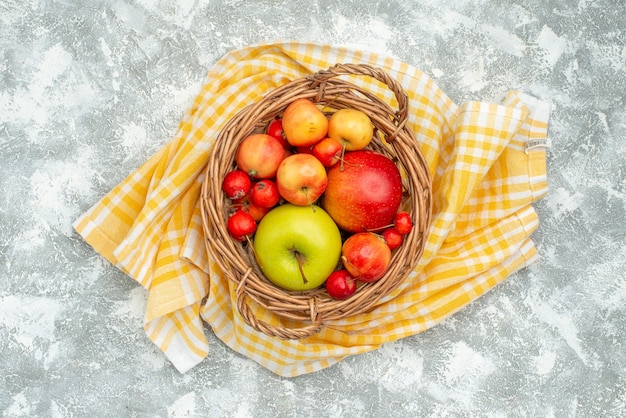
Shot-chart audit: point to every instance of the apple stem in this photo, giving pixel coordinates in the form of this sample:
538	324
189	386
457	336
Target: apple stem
305	190
343	152
327	105
300	266
379	228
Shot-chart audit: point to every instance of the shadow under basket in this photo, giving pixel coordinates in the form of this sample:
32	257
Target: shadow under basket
309	311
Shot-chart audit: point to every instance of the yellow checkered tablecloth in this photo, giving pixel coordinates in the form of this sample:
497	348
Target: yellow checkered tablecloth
485	178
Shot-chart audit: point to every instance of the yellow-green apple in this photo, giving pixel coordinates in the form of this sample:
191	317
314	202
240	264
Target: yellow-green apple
352	128
259	155
366	256
328	151
301	179
366	194
297	248
304	123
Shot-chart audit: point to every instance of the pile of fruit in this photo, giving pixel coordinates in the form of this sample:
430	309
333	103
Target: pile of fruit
316	204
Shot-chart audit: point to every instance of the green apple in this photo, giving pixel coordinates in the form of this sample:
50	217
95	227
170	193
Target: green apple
297	247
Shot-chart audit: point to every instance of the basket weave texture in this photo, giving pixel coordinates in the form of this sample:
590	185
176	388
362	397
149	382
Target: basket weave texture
311	310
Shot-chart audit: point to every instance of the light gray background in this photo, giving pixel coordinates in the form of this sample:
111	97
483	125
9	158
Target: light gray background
90	89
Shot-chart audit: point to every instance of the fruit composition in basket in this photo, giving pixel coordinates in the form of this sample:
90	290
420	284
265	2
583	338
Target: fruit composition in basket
316	200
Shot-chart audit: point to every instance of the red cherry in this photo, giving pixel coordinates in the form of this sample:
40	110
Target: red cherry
340	285
275	129
392	237
241	224
236	184
245	204
403	223
305	149
265	194
328	151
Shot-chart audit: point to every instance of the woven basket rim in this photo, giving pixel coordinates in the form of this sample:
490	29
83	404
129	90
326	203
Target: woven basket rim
303	314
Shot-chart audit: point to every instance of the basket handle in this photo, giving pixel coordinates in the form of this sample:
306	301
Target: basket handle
271	330
401	115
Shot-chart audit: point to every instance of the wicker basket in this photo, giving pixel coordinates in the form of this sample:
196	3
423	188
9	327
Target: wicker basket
308	311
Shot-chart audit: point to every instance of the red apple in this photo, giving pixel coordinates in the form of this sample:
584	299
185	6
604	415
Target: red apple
403	223
259	155
366	256
265	194
340	285
301	179
328	151
303	123
392	237
365	194
236	184
241	224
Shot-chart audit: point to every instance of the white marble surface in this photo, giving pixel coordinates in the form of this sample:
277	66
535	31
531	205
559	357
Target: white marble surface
90	89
